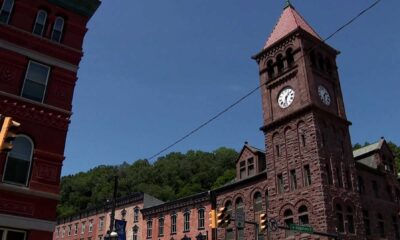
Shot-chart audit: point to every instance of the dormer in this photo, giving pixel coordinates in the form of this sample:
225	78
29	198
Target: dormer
250	162
376	155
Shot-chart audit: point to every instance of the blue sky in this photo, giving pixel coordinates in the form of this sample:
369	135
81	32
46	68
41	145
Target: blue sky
154	70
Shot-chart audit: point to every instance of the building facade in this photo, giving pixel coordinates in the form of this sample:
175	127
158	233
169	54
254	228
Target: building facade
94	223
40	50
186	218
308	174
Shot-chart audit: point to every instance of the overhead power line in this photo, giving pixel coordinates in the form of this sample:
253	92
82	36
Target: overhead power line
219	114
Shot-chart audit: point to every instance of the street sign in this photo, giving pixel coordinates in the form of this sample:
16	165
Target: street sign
300	228
239	220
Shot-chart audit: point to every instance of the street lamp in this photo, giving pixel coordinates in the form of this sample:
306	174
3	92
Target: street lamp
111	234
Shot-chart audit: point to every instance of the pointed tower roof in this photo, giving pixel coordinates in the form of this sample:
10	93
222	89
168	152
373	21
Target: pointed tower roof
289	21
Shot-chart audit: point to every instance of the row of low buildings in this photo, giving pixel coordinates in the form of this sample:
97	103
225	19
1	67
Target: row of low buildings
188	218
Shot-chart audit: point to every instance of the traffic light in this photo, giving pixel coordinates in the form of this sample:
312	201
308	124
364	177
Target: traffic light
223	218
212	218
7	134
263	222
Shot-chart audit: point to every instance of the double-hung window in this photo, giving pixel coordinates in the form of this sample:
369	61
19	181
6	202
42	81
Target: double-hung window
5	11
58	26
40	23
35	83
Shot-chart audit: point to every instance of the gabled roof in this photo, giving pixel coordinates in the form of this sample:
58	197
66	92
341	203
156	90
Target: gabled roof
368	149
251	148
289	21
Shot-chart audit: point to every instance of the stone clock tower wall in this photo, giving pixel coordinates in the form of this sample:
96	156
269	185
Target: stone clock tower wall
310	168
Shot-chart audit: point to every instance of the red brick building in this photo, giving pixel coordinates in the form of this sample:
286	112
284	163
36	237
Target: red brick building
94	223
40	50
312	177
309	175
186	218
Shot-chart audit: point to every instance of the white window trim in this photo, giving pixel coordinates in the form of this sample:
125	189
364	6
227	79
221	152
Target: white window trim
2	9
30	165
47	79
54	28
36	21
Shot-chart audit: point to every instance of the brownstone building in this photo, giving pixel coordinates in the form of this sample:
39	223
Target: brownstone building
309	175
40	50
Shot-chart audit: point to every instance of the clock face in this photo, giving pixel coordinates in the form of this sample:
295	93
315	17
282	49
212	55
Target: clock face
286	97
324	95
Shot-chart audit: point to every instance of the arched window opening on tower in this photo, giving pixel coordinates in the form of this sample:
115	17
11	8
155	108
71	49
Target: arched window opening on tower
289	57
40	22
270	68
19	161
321	62
339	218
312	58
307	175
5	11
361	187
288	220
350	220
279	63
303	215
58	27
328	66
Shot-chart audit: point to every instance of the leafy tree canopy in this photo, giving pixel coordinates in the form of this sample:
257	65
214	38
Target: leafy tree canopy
170	177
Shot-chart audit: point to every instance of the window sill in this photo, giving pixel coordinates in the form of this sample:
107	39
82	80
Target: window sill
26	190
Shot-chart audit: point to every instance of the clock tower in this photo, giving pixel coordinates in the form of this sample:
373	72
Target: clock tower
311	174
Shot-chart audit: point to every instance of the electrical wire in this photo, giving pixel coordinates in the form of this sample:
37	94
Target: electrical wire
259	86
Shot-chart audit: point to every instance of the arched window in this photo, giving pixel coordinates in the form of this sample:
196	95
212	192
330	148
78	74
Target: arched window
239	209
270	69
173	223
200	217
228	206
40	22
321	63
19	161
136	214
350	220
161	226
328	66
186	221
279	63
303	215
339	218
257	206
289	57
312	58
58	26
6	10
149	230
288	220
